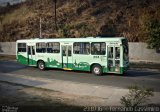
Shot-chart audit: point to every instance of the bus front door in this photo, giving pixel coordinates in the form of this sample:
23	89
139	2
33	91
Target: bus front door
67	57
31	55
114	59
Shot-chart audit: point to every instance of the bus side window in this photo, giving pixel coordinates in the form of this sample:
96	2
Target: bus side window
103	48
49	48
76	48
22	47
69	51
64	51
33	50
53	47
94	50
56	47
87	50
81	48
98	48
110	51
29	50
41	47
117	50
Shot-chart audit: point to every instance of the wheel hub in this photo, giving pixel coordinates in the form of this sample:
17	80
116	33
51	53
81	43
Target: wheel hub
41	66
96	70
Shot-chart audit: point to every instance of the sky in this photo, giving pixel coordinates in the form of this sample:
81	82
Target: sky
4	2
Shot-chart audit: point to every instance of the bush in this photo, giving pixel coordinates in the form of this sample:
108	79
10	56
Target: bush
153	34
64	30
136	96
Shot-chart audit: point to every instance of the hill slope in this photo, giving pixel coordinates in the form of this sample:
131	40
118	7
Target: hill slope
78	18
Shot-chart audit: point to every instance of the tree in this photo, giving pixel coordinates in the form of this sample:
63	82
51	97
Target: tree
1	19
153	34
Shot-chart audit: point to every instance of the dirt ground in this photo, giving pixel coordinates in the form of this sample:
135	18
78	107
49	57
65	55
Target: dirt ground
29	99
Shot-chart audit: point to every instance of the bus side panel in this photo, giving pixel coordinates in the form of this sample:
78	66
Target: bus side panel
81	62
22	58
101	60
42	57
53	60
84	62
32	61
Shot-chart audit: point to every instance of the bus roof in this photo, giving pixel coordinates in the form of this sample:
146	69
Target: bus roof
91	39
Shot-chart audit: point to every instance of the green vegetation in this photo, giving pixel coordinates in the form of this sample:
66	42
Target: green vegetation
153	31
150	27
137	96
132	19
75	30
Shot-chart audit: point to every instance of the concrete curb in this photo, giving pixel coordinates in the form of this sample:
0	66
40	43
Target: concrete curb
112	94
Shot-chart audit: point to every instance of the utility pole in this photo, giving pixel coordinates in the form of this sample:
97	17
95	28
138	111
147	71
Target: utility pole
55	14
40	28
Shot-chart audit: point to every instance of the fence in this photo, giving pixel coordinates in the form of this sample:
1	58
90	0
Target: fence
8	48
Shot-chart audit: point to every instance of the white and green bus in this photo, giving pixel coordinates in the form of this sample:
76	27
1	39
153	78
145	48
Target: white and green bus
97	55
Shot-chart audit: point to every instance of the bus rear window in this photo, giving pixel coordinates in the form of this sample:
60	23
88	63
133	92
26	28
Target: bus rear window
21	47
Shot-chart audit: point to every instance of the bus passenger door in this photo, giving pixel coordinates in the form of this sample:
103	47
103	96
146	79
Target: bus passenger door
114	59
31	55
67	57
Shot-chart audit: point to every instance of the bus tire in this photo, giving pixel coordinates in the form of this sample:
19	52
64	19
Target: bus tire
97	70
41	65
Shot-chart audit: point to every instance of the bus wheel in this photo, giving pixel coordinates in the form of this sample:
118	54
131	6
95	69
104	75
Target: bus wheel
97	70
41	65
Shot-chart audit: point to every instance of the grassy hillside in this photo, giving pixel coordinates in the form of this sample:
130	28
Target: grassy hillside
78	18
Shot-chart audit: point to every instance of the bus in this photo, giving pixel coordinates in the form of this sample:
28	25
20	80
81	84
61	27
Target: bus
94	54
